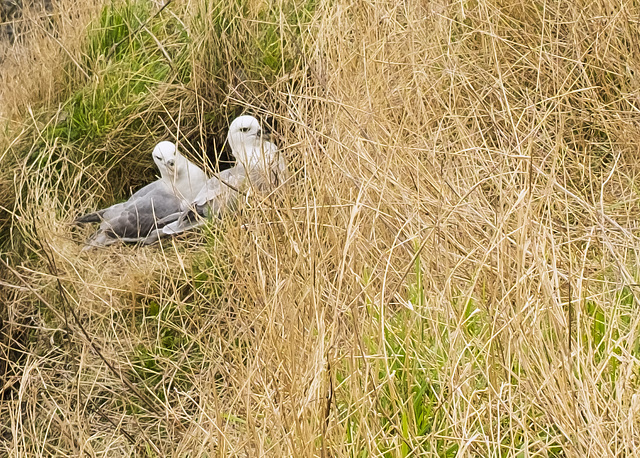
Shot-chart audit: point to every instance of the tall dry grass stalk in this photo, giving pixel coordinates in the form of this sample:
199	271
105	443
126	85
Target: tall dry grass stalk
35	41
450	271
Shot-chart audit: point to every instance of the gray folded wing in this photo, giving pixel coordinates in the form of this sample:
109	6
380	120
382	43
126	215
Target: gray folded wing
157	186
134	220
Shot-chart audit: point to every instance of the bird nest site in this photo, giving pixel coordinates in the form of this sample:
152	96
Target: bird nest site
447	264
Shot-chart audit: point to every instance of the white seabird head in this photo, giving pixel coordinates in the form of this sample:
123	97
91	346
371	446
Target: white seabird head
246	140
166	157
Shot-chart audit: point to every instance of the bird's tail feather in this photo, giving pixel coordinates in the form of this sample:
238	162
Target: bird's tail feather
93	217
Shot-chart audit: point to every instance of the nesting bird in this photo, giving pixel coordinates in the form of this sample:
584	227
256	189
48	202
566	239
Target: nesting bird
259	167
132	221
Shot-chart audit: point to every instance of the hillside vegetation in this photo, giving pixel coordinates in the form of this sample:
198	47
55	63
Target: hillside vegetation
451	270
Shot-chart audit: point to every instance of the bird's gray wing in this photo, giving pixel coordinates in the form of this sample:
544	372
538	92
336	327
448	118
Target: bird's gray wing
135	219
138	217
98	216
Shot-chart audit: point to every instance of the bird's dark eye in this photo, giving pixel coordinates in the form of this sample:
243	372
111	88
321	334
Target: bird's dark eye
244	129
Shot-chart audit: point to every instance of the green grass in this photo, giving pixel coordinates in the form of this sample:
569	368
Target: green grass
440	277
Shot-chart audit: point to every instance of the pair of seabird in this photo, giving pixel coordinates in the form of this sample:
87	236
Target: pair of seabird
183	196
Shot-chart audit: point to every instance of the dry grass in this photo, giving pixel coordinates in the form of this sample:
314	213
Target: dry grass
451	270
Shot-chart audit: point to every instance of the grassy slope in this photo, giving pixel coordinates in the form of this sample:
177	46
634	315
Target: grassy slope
451	271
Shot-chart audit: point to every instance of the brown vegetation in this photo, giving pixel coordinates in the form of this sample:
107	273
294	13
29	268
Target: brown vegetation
450	271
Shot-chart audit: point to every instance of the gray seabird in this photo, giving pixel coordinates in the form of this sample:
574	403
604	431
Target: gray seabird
132	221
259	167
